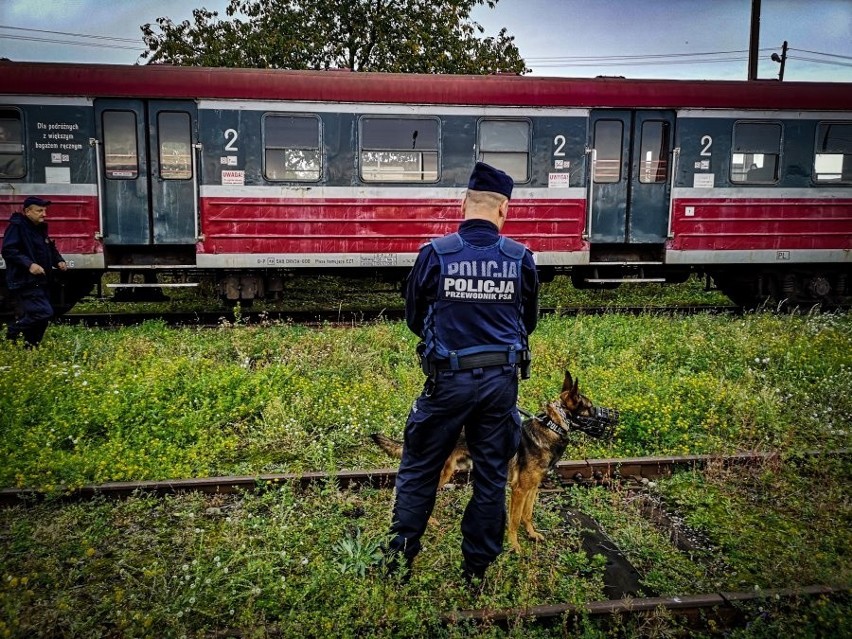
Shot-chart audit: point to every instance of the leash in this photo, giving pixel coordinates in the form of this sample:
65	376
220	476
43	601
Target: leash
525	413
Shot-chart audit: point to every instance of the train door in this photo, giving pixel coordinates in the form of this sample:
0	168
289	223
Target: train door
149	187
629	180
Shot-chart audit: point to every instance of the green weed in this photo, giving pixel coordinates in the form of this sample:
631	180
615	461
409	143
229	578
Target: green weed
356	554
152	402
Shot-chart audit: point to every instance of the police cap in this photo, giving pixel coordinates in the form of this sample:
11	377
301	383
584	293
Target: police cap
486	178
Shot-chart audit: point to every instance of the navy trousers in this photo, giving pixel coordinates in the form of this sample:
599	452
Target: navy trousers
32	314
484	403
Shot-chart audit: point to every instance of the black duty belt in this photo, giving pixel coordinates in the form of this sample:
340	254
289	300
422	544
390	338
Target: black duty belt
479	360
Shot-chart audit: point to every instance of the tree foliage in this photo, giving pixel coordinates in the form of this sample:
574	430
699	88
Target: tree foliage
406	36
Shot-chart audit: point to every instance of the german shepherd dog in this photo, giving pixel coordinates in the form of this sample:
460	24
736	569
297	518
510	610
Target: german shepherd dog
543	440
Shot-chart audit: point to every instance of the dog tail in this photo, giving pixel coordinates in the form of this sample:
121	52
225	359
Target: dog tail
391	446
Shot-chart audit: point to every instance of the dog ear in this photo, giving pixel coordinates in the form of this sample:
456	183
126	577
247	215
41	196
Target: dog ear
568	383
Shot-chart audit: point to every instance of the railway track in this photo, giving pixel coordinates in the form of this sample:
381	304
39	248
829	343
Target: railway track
627	598
342	317
719	609
586	472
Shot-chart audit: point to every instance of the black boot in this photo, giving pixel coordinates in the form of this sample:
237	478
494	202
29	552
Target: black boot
474	577
397	566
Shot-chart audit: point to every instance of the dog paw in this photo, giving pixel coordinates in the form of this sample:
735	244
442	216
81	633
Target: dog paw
535	535
513	543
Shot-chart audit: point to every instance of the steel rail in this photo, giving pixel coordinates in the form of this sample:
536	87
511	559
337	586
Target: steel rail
724	608
571	472
637	468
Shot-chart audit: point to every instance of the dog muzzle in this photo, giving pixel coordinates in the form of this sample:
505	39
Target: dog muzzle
600	424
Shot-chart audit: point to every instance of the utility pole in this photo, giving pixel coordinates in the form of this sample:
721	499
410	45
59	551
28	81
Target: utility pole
754	40
782	60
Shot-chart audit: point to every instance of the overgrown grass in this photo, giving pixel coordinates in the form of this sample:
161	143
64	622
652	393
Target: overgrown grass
754	528
298	564
302	564
152	402
774	524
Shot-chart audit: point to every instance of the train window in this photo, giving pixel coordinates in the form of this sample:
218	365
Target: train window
399	149
654	151
11	144
505	144
121	155
608	145
175	134
292	148
833	157
756	151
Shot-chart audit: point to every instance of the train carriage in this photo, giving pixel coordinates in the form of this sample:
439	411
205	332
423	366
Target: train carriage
249	176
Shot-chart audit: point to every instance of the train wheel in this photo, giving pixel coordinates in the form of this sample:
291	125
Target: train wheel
789	289
743	290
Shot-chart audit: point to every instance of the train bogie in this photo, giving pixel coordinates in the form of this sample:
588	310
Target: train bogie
247	177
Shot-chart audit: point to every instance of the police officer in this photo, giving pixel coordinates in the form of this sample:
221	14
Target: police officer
472	297
30	257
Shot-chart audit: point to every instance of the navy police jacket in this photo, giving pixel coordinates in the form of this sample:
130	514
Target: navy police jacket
471	292
23	244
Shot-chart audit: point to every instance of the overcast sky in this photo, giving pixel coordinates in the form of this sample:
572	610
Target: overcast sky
579	38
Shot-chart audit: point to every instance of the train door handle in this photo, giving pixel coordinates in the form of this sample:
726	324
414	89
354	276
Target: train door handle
196	151
99	180
593	154
672	178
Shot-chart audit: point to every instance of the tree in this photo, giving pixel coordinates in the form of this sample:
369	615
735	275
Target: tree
406	36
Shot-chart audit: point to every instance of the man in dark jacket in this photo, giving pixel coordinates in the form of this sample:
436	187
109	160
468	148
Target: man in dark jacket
472	297
30	257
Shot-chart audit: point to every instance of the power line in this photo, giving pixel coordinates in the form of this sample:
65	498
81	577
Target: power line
71	42
831	55
67	33
818	61
637	63
605	58
671	58
545	61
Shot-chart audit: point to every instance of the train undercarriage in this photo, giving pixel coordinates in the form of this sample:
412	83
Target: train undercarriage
807	285
750	287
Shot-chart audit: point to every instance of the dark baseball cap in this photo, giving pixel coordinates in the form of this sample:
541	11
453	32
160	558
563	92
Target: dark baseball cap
486	178
35	201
